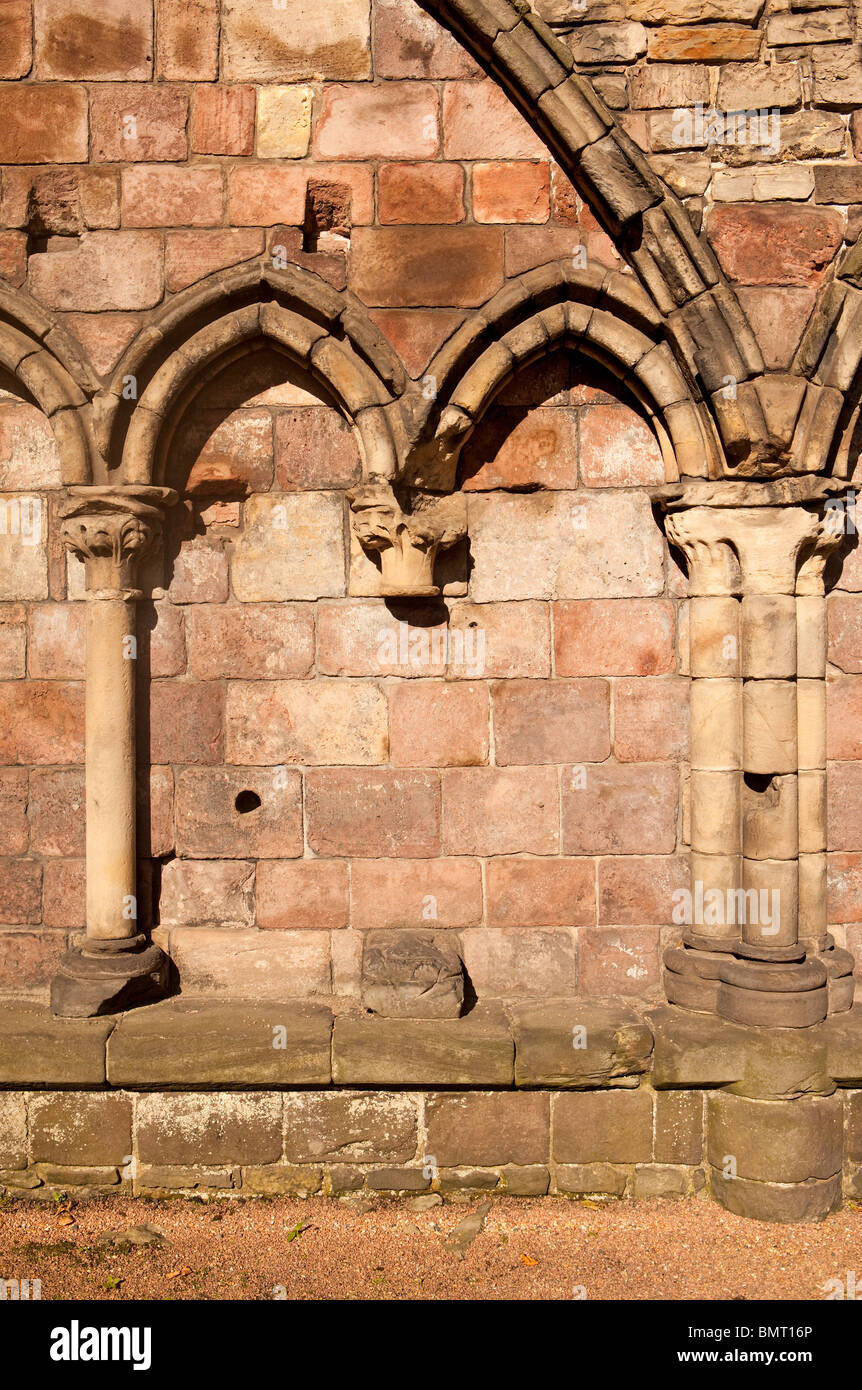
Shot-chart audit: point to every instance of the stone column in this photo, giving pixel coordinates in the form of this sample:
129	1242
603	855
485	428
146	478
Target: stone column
112	967
758	754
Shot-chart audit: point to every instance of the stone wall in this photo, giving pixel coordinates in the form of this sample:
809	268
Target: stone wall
524	790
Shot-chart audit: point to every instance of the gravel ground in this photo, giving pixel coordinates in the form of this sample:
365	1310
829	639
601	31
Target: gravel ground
548	1248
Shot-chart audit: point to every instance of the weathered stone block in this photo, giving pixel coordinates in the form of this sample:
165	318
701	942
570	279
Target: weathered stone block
257	47
327	722
84	1129
217	816
252	964
476	1050
411	974
784	1141
695	1049
398	1180
501	810
324	1126
186	1043
488	1128
302	894
13	1131
59	1052
372	814
205	891
590	1180
283	1180
540	892
241	1127
292	547
522	963
678	1127
578	1044
603	1126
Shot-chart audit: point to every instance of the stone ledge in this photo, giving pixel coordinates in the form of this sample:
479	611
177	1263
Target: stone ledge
473	1051
579	1044
696	1050
186	1043
38	1050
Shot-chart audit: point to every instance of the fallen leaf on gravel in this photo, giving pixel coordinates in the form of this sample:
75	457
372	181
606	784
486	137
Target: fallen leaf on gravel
67	1220
461	1237
178	1273
296	1231
528	1259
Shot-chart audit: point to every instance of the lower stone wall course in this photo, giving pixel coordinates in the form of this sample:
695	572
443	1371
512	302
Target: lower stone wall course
603	1126
360	1126
85	1129
203	1127
488	1128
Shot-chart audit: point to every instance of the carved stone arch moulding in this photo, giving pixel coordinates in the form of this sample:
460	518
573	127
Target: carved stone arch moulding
39	354
198	333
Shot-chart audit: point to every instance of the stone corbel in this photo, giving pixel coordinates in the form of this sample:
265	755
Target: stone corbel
112	967
408	542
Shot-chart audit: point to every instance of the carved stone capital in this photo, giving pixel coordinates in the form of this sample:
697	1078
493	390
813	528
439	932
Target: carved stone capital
828	535
110	530
700	534
752	549
407	542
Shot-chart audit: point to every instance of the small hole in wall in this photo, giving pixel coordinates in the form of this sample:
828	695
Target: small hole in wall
247	801
758	781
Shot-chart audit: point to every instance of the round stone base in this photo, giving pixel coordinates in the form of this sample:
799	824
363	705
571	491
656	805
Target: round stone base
109	979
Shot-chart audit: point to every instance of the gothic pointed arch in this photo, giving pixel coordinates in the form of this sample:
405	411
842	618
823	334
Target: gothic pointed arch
200	332
39	354
604	314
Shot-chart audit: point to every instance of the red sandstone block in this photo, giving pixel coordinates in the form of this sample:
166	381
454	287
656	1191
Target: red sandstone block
302	894
13	641
64	893
551	721
315	448
499	639
20	894
613	809
156	197
392	120
651	719
639	892
423	893
138	122
56	809
410	43
200	573
186	722
14	826
99	191
207	892
329	723
844	888
360	638
223	120
29	959
844	718
480	122
233	453
401	266
416	334
111	41
167	642
155	800
618	962
109	270
535	963
845	632
614	637
492	810
844	806
514	449
618	448
16	42
13	257
541	892
43	124
778	317
57	641
264	195
372	813
189	256
216	817
187	40
41	722
506	191
785	245
527	247
435	724
416	193
263	641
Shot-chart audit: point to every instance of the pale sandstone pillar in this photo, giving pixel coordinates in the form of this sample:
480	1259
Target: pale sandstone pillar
764	969
113	967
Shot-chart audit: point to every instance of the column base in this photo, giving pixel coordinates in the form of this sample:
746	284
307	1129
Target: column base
108	977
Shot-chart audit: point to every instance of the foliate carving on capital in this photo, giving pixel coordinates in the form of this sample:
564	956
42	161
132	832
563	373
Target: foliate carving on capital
828	532
713	568
407	542
110	530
